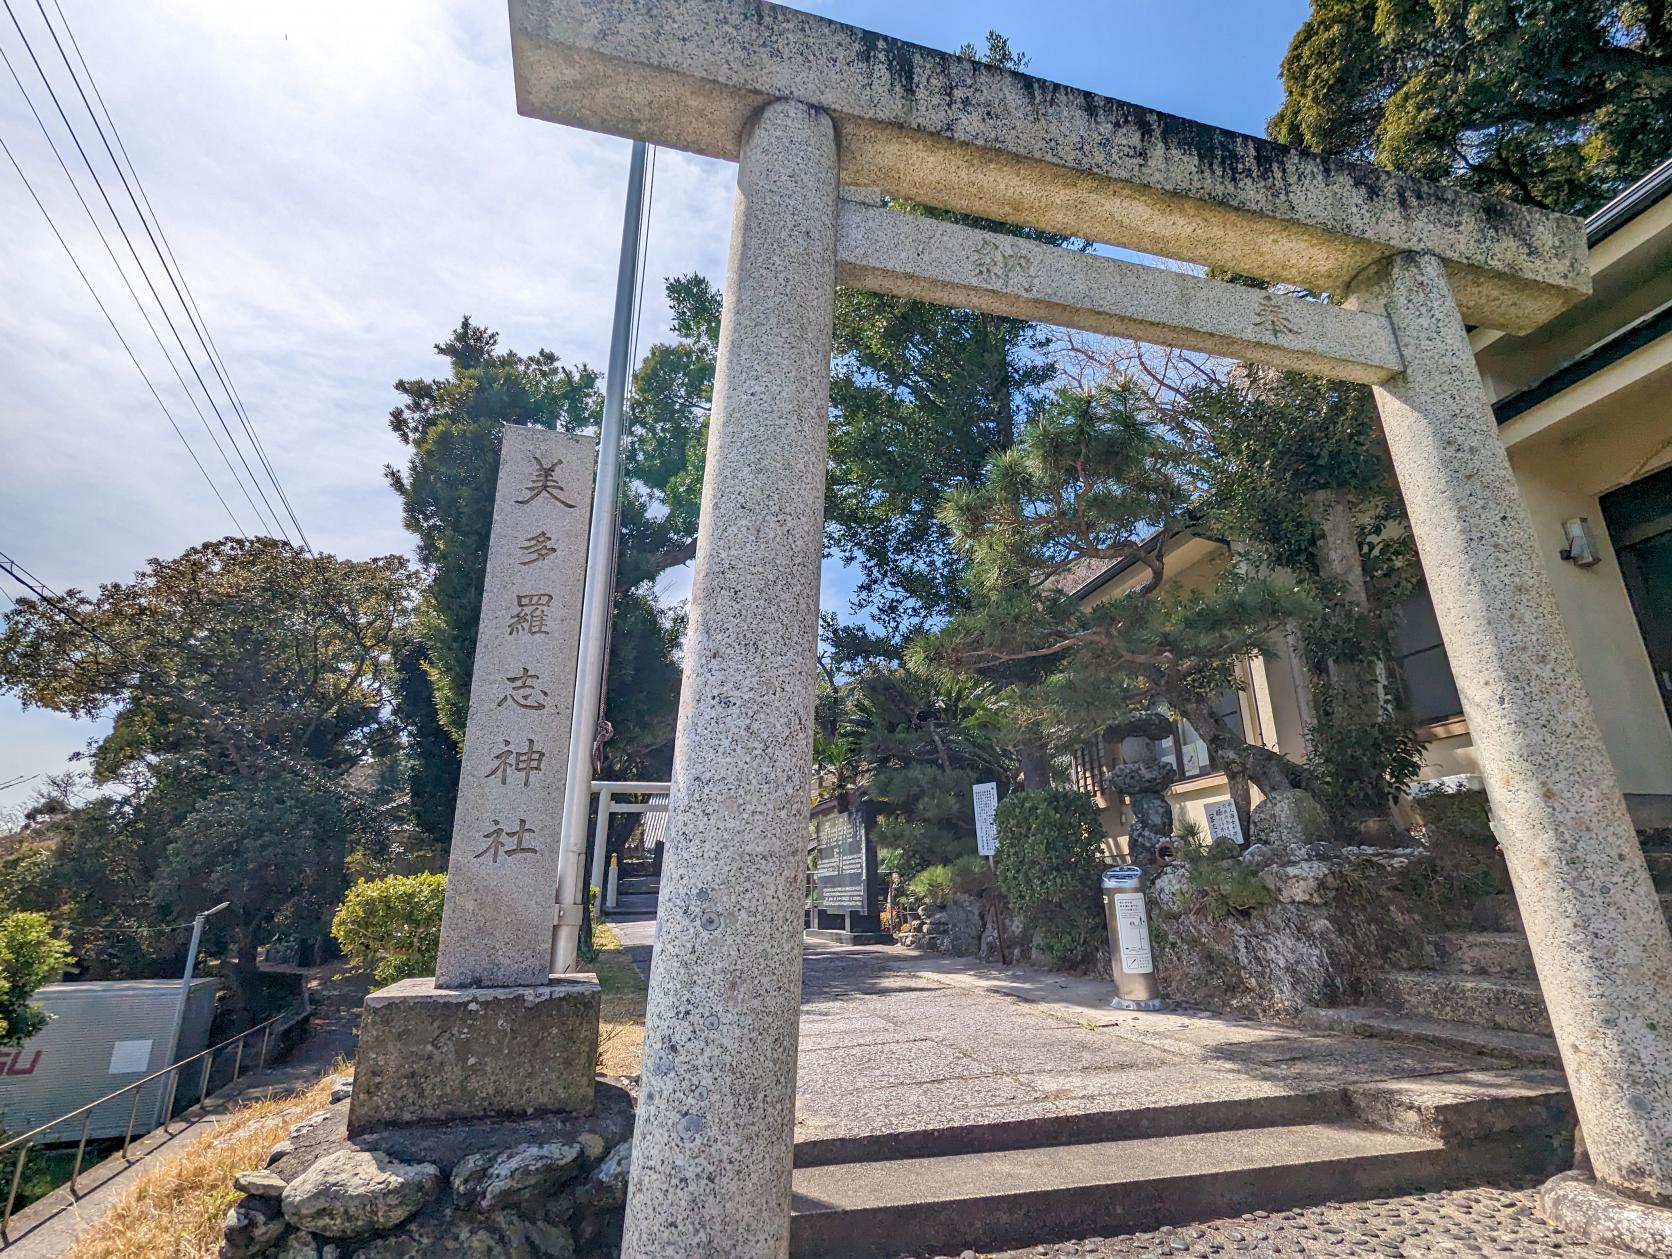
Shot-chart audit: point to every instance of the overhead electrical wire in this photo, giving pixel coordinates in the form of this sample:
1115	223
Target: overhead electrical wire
164	251
139	305
132	357
272	520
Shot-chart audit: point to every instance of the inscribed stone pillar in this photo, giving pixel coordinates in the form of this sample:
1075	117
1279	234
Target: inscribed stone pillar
1598	939
496	925
714	1139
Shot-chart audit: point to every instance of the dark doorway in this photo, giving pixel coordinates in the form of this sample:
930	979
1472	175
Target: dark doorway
1639	519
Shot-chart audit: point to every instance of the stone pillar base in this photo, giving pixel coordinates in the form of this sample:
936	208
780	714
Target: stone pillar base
430	1055
1575	1203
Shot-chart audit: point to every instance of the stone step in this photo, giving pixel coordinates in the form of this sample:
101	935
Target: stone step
1076	1128
1512	1005
1033	1196
640	885
1523	1047
1660	867
1499	953
638	903
1498	912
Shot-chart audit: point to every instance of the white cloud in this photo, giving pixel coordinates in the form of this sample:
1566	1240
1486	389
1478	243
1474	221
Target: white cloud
341	182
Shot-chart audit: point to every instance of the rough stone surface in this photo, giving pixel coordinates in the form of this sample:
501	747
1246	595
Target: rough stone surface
607	1186
542	1188
262	1184
1288	820
925	259
496	924
1576	1203
429	1054
1604	958
720	1036
355	1192
1310	949
252	1225
493	1182
1454	1224
952	132
1300	883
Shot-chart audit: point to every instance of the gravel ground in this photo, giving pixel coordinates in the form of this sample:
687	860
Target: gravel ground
1461	1222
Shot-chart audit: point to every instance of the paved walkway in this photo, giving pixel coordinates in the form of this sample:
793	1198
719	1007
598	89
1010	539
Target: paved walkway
893	1040
45	1229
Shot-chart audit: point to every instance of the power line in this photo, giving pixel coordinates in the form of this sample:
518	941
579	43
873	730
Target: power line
123	276
213	488
188	299
191	362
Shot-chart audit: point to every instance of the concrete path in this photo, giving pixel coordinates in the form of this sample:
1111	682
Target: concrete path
46	1229
895	1041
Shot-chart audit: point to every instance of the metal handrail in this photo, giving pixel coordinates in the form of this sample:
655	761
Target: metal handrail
24	1142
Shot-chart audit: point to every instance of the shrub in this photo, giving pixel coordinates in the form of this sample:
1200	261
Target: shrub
30	955
1049	860
393	924
931	886
1226	884
971	875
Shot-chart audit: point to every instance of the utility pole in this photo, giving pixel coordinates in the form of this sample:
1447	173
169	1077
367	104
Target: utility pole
598	599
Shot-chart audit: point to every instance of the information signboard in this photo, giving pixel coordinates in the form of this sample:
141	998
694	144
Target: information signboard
1223	822
843	872
986	818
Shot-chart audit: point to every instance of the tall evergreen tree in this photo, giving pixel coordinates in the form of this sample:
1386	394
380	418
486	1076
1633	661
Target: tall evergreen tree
1554	103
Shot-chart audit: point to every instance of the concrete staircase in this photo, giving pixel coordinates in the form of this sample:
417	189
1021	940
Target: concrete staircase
1023	1183
1480	995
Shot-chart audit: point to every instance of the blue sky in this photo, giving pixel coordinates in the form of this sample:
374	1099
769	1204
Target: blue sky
341	182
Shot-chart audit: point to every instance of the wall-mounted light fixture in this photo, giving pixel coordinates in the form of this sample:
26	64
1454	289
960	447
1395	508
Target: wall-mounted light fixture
1580	550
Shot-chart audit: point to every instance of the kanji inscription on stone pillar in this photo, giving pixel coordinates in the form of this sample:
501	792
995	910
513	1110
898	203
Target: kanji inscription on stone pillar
502	875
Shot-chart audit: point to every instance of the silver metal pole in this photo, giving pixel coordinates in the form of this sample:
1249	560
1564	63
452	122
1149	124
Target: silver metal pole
598	598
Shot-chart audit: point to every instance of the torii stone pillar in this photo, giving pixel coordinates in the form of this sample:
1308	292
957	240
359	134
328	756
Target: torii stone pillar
713	1143
1598	939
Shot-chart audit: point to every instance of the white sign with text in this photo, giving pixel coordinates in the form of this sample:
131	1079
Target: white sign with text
986	818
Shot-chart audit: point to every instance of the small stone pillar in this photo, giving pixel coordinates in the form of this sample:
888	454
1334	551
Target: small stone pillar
1598	939
714	1139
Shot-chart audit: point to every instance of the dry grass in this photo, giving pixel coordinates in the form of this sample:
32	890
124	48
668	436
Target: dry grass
177	1210
621	1016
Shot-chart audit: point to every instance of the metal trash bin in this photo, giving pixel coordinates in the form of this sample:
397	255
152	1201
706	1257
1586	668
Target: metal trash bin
1131	957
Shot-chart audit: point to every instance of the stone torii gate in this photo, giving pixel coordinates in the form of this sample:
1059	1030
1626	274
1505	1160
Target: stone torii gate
808	108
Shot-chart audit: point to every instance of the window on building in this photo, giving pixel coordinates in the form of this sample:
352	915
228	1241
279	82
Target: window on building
1087	766
1428	690
1186	751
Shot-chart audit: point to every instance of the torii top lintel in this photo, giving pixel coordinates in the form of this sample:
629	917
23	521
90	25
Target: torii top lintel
956	133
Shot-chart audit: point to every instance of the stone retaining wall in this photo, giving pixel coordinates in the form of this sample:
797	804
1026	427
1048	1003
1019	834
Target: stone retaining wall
552	1187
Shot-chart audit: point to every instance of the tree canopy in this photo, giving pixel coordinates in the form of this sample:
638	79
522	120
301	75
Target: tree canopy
249	684
1554	103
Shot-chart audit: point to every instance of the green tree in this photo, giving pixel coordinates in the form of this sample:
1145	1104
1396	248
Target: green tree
1091	480
1555	103
452	425
921	398
31	954
922	743
249	685
1296	475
